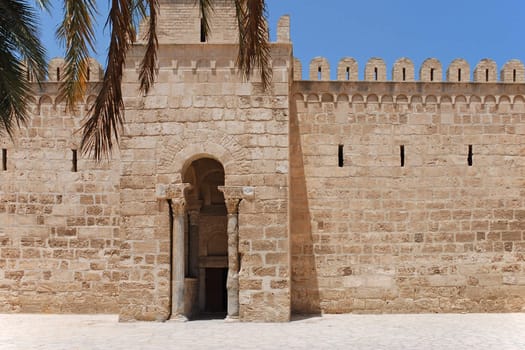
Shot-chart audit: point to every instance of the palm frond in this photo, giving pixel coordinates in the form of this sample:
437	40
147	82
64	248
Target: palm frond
105	119
20	50
240	14
148	65
140	11
254	47
44	4
13	93
76	33
206	8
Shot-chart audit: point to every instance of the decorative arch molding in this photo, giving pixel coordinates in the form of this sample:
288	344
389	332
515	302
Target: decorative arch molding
447	101
176	153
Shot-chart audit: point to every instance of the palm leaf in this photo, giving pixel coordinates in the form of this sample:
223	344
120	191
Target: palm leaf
254	47
105	120
149	62
44	4
77	34
106	117
140	11
13	93
20	50
206	8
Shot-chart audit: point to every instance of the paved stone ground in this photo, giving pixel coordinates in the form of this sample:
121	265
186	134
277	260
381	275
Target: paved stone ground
471	331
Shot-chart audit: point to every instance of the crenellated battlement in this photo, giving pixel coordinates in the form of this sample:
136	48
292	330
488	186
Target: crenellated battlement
46	99
386	96
403	70
56	69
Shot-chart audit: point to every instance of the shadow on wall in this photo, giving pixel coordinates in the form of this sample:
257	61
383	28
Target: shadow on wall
305	286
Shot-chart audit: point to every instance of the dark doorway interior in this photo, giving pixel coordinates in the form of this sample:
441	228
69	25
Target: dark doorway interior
206	239
216	295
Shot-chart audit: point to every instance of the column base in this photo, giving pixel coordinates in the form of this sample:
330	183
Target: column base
231	319
178	318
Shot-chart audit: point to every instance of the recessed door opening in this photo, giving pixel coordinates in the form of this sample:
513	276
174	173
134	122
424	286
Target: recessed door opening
206	241
216	293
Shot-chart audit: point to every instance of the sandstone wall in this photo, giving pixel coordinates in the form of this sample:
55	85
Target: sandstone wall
59	241
200	107
434	235
179	22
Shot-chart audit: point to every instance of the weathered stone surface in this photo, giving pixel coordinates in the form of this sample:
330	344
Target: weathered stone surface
317	196
439	233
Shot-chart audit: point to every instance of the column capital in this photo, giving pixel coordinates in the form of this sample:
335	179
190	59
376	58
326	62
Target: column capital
172	191
237	192
232	205
194	205
178	206
232	197
194	209
194	217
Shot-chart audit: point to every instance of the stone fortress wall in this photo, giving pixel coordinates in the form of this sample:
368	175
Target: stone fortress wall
349	196
407	196
59	218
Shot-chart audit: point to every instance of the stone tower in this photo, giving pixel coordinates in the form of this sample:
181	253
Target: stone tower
205	176
180	23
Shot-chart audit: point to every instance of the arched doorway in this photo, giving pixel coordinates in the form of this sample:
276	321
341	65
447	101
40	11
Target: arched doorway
206	248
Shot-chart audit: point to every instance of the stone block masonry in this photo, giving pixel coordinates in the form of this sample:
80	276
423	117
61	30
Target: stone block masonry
401	193
59	236
436	227
201	109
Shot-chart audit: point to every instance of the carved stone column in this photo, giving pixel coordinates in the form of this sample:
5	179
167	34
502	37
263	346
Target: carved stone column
174	193
232	283
194	214
233	196
177	272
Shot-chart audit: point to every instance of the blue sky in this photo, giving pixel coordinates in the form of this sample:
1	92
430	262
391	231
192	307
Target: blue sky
390	29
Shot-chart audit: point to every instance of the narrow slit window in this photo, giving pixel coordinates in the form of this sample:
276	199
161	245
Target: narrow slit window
58	74
404	74
514	75
402	155
340	156
4	159
486	75
347	73
239	259
74	161
459	74
319	73
431	74
375	74
203	31
469	157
